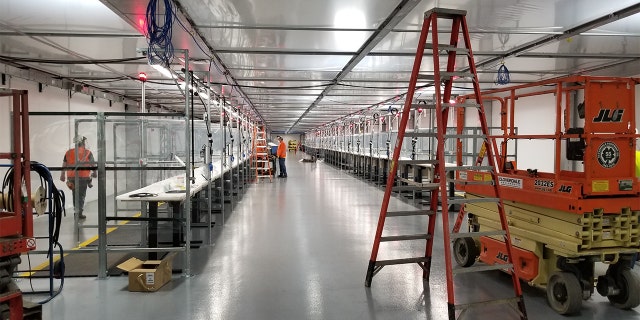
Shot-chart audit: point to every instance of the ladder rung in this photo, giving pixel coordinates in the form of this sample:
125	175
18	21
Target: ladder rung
465	136
464	306
445	13
423	187
433	161
447	47
446	75
410	213
461	105
455	168
423	106
498	266
401	261
423	236
477	234
474	200
432	105
420	134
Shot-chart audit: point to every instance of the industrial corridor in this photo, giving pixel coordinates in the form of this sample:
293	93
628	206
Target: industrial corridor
297	248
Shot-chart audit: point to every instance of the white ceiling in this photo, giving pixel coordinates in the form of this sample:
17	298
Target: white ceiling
298	64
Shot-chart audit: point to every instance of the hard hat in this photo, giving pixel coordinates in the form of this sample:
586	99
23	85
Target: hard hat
79	139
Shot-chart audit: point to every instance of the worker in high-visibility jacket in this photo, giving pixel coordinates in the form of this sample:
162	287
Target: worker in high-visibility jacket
282	155
78	179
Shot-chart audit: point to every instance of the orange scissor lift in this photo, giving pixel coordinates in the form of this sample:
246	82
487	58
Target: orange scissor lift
586	211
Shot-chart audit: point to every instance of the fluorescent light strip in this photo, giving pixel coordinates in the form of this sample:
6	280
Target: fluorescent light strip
164	71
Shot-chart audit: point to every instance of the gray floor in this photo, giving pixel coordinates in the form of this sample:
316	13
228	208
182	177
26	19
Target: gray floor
298	248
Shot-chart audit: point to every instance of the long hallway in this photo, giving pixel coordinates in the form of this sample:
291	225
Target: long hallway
298	248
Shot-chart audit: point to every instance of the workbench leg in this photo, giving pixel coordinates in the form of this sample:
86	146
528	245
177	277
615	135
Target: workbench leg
153	229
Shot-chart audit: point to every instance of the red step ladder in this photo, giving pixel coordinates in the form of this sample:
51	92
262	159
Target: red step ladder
465	249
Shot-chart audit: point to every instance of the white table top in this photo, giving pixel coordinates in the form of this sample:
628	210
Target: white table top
168	189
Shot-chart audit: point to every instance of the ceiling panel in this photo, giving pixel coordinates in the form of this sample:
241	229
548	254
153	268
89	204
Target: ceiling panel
329	13
284	40
299	60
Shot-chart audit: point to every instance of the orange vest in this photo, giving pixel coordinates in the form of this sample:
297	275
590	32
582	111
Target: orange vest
282	150
83	158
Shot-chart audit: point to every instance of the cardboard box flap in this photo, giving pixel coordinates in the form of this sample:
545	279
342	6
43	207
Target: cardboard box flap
130	264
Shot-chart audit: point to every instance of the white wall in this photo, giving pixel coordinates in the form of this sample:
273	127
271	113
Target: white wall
51	136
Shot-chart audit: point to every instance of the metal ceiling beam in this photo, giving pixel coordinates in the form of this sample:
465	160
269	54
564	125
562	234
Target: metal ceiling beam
195	30
397	15
589	25
72	34
416	30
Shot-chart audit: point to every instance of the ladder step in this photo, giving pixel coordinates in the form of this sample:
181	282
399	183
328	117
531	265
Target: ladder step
433	161
446	75
401	261
423	236
461	105
445	13
410	213
432	105
474	200
422	187
464	306
465	136
477	234
447	47
420	134
455	168
505	266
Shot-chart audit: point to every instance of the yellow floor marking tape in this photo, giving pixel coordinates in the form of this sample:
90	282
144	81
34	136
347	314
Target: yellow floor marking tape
83	244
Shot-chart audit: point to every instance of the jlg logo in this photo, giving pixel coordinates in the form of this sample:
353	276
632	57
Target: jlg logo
502	256
609	115
566	189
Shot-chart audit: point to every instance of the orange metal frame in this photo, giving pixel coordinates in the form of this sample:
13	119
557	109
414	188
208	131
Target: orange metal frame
608	178
20	222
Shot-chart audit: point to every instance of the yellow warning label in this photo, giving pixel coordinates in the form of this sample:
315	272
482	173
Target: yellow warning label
600	185
478	177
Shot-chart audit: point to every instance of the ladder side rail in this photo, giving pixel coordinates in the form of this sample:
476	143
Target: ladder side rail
441	119
483	122
396	152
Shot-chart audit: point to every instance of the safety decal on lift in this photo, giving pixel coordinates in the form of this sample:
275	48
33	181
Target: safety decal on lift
510	182
600	185
608	154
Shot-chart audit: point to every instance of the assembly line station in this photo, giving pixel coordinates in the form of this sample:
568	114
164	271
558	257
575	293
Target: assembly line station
444	159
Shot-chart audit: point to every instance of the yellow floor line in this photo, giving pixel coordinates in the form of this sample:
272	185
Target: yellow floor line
83	244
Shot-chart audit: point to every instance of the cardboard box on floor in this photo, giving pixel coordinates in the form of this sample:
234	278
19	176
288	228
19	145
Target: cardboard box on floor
150	275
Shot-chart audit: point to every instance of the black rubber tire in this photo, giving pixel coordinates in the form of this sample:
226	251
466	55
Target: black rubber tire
564	293
465	251
629	285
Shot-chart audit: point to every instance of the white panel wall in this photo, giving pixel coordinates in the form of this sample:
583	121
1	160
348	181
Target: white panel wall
51	136
533	115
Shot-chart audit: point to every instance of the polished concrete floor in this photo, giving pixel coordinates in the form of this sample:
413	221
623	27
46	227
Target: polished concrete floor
298	248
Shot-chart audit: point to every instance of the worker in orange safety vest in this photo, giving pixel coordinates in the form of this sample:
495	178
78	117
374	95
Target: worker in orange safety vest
282	155
78	179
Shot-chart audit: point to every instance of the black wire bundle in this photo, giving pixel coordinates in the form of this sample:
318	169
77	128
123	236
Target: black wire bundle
55	201
160	49
55	197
